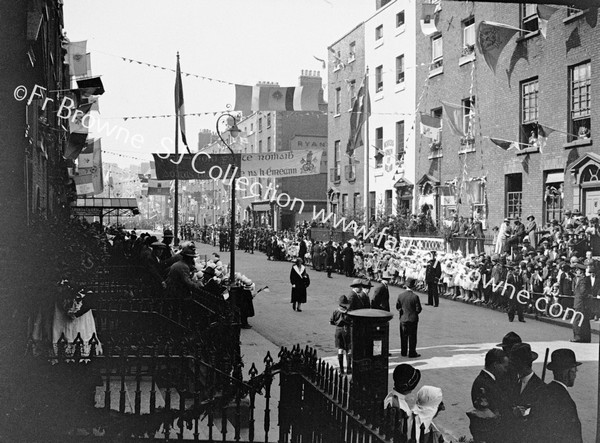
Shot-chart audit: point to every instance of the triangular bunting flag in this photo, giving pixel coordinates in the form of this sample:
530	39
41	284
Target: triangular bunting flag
491	40
454	114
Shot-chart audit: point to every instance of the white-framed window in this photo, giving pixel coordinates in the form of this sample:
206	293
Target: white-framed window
352	52
580	100
400	69
468	105
529	17
337	161
338	101
260	124
400	141
352	91
400	19
437	52
268	144
468	28
268	120
379	32
379	147
260	146
379	78
529	109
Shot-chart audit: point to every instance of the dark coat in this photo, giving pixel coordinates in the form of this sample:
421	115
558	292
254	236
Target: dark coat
358	301
433	272
179	282
242	299
582	303
381	297
299	285
330	256
409	305
302	249
561	422
528	429
488	393
348	254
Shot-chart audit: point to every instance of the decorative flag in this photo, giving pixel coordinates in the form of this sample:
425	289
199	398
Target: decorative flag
76	121
525	163
77	58
574	40
428	18
159	187
323	64
91	86
431	127
505	144
544	13
91	155
361	110
74	146
543	133
84	184
491	40
275	98
338	61
179	105
454	115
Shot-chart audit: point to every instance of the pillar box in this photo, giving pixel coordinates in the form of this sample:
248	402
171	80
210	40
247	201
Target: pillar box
370	349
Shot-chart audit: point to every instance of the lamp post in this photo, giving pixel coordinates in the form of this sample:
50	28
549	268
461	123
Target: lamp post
234	131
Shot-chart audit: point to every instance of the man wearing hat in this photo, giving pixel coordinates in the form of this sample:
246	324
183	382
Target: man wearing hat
514	277
210	283
357	298
381	294
581	291
527	396
433	272
409	305
179	281
167	240
568	220
491	417
406	378
561	422
504	233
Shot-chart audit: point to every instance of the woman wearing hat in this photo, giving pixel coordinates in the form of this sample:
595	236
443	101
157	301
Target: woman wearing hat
300	281
428	405
581	292
340	319
406	378
530	230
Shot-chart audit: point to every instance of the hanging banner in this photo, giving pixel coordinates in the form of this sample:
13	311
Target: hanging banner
282	164
199	166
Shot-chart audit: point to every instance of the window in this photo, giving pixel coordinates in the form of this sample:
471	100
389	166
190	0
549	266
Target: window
436	51
379	147
352	88
379	78
344	203
356	203
529	110
337	161
468	27
260	124
514	195
268	120
372	197
338	101
352	52
400	19
580	109
388	202
468	106
350	170
529	17
268	144
400	141
251	127
553	196
400	69
260	146
379	32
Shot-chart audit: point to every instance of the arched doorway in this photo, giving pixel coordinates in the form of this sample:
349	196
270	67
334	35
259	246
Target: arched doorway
585	178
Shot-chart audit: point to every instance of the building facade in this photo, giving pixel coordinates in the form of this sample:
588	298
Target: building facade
537	104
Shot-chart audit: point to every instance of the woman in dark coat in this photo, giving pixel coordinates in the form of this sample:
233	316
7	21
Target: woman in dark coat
300	281
581	291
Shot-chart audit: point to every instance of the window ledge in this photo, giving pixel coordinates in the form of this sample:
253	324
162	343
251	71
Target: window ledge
400	87
574	17
336	68
378	96
400	30
436	71
351	60
379	42
528	36
437	154
466	151
378	171
466	59
337	115
531	150
336	181
578	143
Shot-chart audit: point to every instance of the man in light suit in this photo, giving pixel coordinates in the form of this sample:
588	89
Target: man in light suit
409	305
561	422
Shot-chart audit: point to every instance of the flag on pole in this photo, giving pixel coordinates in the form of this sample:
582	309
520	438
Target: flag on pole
491	40
323	64
78	60
454	115
431	127
361	110
84	184
179	106
428	18
544	13
505	144
276	98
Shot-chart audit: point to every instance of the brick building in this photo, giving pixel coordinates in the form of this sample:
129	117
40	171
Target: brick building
541	87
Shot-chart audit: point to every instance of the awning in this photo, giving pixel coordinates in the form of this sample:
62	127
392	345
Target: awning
555	177
99	207
261	207
402	183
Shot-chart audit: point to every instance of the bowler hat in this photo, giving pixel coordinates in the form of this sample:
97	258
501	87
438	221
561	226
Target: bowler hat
158	244
366	283
562	359
357	283
167	233
531	217
523	353
406	377
209	270
343	301
509	340
188	251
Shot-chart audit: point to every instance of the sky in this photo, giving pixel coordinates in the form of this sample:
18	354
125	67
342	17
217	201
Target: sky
234	41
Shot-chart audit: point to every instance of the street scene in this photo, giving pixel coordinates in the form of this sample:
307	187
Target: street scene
319	221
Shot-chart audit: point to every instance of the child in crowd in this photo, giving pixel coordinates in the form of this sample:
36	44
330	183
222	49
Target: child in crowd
339	318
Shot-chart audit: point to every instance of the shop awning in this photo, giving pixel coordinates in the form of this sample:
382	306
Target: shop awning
99	207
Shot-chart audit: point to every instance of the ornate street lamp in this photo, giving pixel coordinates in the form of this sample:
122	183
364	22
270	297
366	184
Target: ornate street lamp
234	131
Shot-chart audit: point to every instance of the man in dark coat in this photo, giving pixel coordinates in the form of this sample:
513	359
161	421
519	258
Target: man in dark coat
581	291
409	305
433	272
491	418
348	255
179	282
302	250
561	422
329	258
357	298
527	396
514	278
381	295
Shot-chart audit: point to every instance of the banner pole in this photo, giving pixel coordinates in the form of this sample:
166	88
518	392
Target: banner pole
176	204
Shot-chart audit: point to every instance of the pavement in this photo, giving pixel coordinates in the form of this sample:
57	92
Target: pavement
453	338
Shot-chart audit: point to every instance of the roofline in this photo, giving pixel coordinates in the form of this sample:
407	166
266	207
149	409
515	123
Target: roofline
346	35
